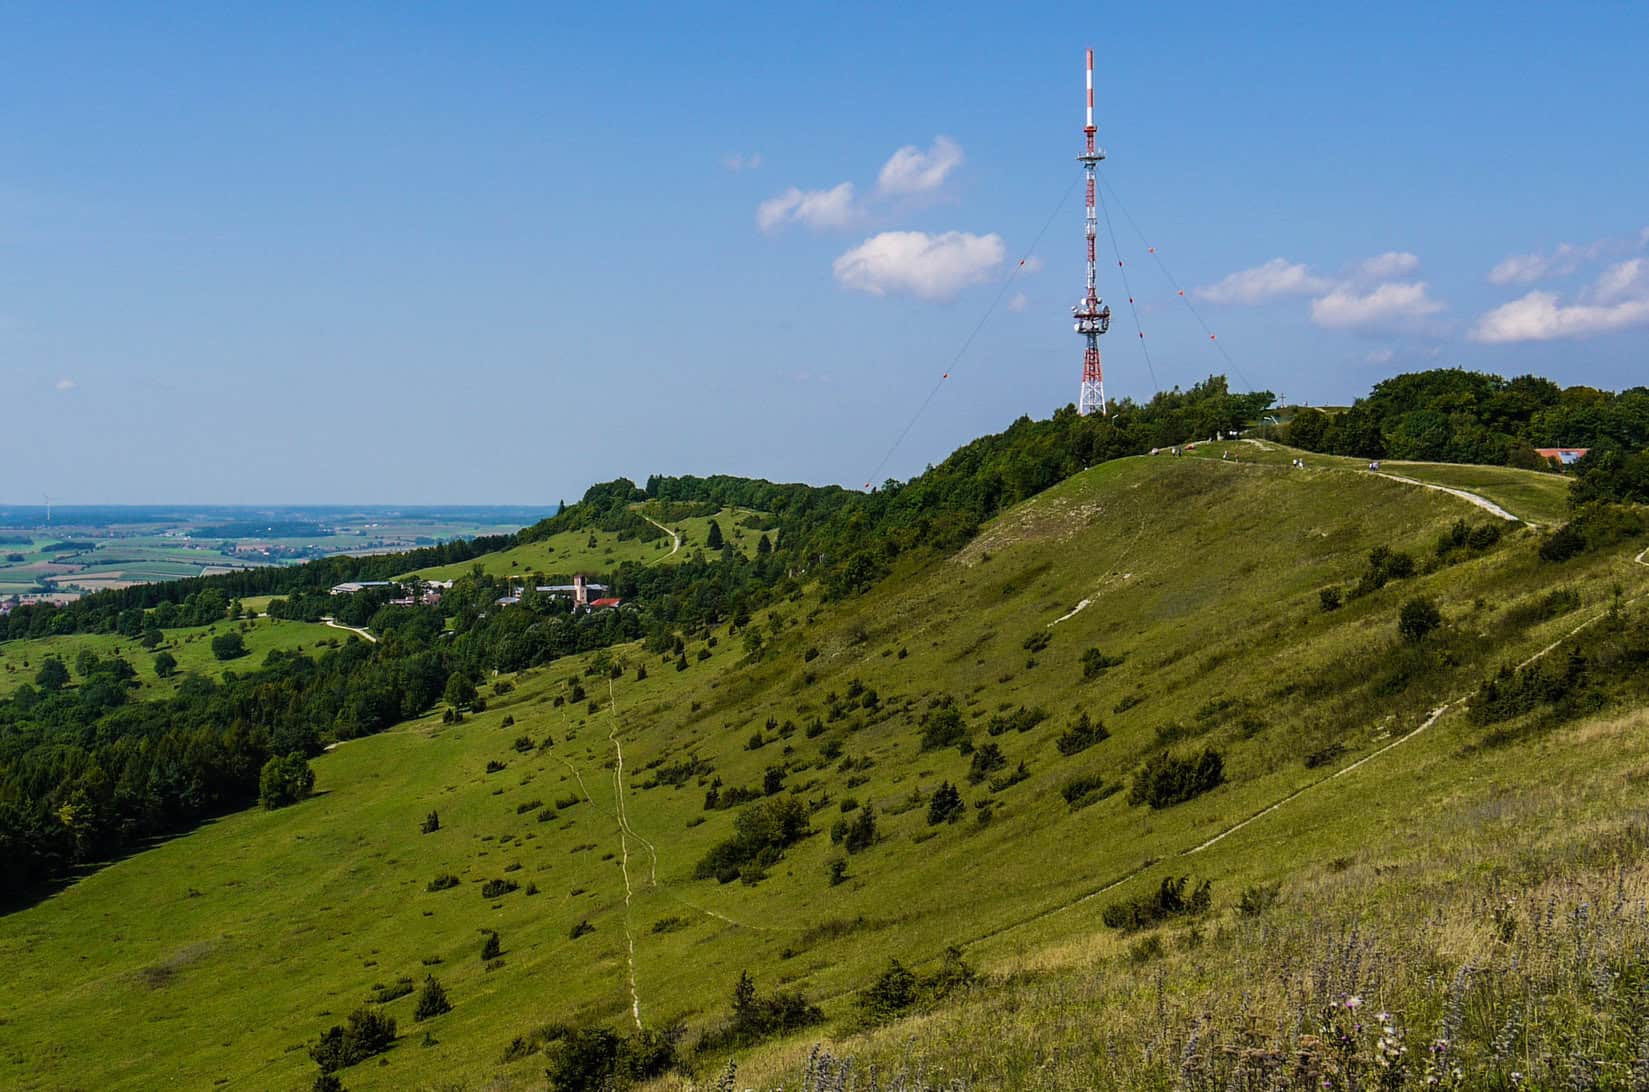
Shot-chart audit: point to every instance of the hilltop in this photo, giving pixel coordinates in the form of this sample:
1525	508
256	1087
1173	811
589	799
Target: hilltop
1001	709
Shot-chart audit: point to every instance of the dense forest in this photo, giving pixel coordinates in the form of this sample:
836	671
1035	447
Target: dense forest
1454	416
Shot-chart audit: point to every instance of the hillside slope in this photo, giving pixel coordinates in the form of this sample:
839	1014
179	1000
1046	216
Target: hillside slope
216	957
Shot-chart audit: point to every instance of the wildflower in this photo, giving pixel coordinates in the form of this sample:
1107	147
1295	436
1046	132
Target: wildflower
1354	1002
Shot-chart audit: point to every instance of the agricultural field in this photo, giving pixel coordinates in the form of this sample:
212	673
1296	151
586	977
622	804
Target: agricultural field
1146	604
601	551
190	646
89	550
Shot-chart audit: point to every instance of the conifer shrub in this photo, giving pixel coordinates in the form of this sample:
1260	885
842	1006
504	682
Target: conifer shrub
761	834
1086	789
1080	736
1168	901
1020	720
755	1017
432	999
898	989
986	761
1095	663
943	727
494	889
492	947
431	823
946	805
367	1032
1166	780
1417	618
382	995
1259	898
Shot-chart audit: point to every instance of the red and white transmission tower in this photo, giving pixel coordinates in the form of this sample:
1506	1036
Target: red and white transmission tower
1092	316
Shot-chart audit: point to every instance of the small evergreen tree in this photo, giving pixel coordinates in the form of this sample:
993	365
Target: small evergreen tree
432	1001
1417	619
713	539
431	824
946	805
492	947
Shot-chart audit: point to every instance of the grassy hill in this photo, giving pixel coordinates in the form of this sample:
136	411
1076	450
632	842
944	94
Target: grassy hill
601	551
191	646
1175	602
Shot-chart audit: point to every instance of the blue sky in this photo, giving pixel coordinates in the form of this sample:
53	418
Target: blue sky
490	253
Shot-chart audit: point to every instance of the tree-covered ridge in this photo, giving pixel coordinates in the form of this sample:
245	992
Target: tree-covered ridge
1456	416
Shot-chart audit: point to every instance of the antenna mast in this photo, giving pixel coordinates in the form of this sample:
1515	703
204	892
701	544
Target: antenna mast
1092	316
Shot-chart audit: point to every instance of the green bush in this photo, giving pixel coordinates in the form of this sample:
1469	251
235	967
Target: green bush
1086	789
898	989
228	646
285	781
383	995
946	805
432	999
943	727
431	823
761	834
1166	780
1417	619
986	761
1020	720
368	1032
1095	663
1259	898
1080	736
1169	900
442	882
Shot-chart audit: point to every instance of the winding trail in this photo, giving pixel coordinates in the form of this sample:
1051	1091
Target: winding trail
675	539
1482	502
624	851
358	630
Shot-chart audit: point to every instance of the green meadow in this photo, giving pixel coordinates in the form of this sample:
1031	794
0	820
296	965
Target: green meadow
191	647
1174	602
596	551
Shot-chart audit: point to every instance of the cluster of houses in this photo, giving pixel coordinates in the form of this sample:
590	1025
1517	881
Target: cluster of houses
580	591
428	592
584	593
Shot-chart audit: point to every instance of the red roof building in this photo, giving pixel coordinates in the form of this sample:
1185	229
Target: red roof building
609	601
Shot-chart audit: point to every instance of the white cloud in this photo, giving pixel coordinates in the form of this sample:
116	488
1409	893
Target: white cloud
65	384
911	170
1393	263
1518	269
738	161
1018	302
1275	278
1030	265
1618	299
1625	280
815	208
1393	303
1379	356
1564	259
930	267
